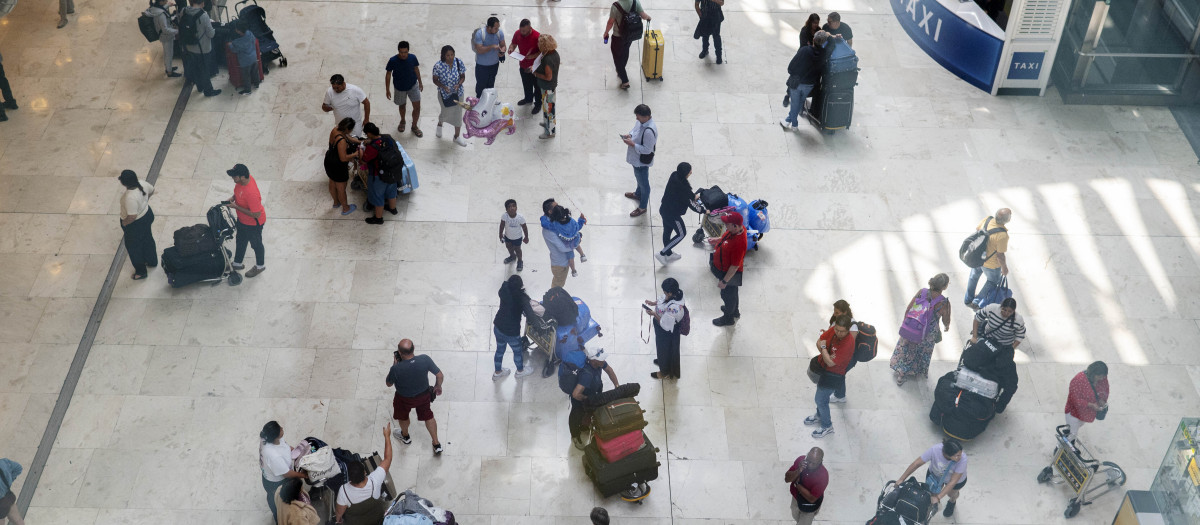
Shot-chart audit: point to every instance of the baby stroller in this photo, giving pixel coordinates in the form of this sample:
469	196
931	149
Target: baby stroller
256	20
904	504
199	253
713	204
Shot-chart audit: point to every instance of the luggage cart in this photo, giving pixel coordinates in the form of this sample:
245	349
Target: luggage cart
541	334
1074	464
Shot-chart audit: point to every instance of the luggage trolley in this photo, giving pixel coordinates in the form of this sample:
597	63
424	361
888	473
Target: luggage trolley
1074	464
541	333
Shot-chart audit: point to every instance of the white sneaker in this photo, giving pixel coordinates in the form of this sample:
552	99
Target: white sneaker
496	376
812	420
460	141
674	257
661	258
820	433
528	370
787	126
438	131
836	399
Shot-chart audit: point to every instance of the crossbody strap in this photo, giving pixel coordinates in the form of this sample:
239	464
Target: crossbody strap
999	326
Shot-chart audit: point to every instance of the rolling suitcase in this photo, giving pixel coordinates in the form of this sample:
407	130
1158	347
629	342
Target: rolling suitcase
618	418
182	271
653	49
235	72
837	109
409	178
389	487
611	478
619	447
192	240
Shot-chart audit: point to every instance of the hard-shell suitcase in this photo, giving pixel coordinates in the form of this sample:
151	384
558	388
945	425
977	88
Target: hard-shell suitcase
621	446
235	72
836	109
976	383
653	49
611	478
409	180
618	418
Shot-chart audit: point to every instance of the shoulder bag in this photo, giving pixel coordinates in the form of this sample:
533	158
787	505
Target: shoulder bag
1102	413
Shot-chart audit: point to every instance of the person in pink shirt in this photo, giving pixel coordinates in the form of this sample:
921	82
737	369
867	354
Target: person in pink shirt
1087	399
807	479
247	201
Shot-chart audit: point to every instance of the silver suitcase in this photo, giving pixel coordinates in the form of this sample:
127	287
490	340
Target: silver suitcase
976	384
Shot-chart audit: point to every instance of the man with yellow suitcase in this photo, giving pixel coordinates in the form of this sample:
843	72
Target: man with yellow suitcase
625	23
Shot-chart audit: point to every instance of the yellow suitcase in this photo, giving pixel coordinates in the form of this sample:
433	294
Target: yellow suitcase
653	49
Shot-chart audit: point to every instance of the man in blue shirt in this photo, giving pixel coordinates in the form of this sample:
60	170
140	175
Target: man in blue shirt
245	48
488	44
410	376
404	74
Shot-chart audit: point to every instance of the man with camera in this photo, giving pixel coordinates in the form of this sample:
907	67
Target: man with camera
410	376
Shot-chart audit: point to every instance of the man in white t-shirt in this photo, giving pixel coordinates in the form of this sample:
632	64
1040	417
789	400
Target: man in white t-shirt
343	100
360	500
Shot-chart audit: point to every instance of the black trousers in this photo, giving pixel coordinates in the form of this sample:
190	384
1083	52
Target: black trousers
729	294
716	38
532	92
195	68
271	487
485	77
620	53
139	242
252	235
577	420
667	346
5	89
674	231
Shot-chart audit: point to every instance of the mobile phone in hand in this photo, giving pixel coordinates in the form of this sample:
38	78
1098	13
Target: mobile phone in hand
646	306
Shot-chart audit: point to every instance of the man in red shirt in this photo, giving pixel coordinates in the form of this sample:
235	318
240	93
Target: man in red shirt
729	251
836	346
526	43
247	200
807	479
1088	396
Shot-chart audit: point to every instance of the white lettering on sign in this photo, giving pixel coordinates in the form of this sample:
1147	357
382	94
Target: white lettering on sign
1026	65
926	16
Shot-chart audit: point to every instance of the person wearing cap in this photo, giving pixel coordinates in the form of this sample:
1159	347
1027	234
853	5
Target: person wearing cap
590	383
729	251
668	312
247	201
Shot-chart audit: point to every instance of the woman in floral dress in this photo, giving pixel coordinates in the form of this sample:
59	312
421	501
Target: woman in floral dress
911	358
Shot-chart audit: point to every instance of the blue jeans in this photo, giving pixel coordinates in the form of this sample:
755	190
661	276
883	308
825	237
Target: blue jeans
514	342
993	278
822	399
797	96
642	174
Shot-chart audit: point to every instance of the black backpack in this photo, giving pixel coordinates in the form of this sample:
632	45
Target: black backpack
630	22
560	306
189	28
910	500
146	25
391	161
973	251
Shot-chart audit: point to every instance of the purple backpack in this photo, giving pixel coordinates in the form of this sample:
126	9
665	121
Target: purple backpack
917	319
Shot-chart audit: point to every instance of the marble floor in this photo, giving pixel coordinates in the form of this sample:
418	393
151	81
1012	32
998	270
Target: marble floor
162	427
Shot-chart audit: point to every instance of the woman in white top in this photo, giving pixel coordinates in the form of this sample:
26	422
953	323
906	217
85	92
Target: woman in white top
136	218
668	312
275	458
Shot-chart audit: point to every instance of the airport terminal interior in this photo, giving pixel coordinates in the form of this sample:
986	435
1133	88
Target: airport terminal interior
162	419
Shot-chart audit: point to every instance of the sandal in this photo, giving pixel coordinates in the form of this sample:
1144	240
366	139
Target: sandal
138	277
400	128
625	85
899	378
417	131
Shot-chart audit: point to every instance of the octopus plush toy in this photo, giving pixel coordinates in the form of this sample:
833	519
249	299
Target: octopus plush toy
487	117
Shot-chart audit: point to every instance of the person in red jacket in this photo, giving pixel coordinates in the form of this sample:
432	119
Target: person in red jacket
836	346
1088	397
729	251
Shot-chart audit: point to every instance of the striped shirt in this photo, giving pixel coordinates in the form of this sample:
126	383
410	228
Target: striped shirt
1008	332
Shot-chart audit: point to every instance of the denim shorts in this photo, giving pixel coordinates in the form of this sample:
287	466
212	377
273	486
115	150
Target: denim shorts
378	192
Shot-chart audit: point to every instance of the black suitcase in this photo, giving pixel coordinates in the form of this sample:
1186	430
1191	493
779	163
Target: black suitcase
969	417
611	478
194	239
182	271
837	107
714	198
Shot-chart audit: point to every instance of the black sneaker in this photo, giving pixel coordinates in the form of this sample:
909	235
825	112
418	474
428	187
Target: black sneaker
703	53
520	265
523	102
949	509
437	449
537	108
404	438
3	117
213	93
736	315
510	259
724	320
392	211
12	104
373	220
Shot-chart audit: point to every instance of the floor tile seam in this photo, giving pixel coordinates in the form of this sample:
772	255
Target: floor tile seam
66	393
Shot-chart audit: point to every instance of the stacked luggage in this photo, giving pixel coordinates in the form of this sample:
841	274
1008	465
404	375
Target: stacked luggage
713	203
199	253
620	458
832	103
967	399
562	331
904	504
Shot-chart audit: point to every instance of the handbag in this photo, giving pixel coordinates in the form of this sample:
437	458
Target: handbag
450	101
998	294
646	158
935	484
1103	412
815	370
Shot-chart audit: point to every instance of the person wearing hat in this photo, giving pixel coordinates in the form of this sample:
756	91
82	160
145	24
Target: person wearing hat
668	313
247	201
590	383
729	250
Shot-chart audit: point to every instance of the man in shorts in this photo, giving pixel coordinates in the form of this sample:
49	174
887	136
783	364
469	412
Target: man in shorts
404	73
410	376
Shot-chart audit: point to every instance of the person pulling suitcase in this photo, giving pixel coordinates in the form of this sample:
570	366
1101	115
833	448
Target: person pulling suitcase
590	383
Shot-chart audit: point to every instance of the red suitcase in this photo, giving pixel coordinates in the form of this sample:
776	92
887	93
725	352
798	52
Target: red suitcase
617	448
235	72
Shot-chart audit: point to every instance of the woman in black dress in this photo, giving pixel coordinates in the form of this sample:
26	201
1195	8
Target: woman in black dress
342	149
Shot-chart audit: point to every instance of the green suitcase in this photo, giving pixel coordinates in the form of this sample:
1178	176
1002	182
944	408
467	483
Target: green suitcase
618	418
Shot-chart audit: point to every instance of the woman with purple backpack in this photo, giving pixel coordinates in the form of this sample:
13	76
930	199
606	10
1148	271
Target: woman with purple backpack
919	330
